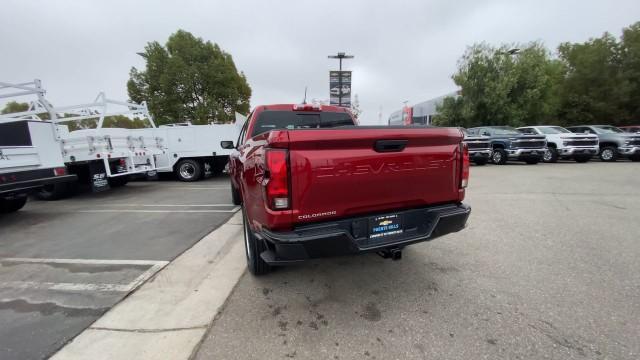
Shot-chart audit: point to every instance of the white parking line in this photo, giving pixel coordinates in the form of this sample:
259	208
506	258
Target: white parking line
85	261
32	285
168	205
199	188
154	267
145	276
157	211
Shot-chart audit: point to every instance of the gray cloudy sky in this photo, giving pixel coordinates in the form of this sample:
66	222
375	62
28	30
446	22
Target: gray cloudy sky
405	50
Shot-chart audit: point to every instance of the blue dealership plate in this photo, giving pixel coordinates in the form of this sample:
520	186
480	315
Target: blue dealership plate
385	225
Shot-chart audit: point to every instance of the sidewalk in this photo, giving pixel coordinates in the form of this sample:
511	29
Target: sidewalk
168	316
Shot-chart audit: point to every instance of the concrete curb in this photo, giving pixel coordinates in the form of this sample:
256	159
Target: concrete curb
168	316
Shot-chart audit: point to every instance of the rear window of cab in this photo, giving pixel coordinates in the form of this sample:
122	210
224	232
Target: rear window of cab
290	120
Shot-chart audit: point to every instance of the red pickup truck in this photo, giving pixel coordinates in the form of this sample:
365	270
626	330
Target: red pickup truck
313	184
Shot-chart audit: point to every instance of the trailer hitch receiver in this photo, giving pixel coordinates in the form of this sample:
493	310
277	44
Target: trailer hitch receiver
393	253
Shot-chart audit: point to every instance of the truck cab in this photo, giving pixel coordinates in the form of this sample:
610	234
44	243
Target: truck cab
613	142
30	159
507	143
563	144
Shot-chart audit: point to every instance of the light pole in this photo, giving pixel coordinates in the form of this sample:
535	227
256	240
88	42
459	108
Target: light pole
340	56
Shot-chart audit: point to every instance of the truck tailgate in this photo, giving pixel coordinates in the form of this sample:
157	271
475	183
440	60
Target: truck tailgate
337	173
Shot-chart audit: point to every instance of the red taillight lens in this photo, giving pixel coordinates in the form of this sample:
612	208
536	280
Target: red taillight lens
277	183
60	171
465	165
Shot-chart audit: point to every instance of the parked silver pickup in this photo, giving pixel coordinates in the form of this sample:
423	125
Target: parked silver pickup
614	143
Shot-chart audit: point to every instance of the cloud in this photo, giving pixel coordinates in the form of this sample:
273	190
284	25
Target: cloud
404	50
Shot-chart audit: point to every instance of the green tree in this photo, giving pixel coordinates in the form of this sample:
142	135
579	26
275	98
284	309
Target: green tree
121	121
594	88
356	110
630	63
499	87
14	107
189	80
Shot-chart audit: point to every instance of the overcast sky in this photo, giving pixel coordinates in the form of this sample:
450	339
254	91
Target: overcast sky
404	50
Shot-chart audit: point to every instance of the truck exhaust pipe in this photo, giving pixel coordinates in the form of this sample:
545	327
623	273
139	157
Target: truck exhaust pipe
393	254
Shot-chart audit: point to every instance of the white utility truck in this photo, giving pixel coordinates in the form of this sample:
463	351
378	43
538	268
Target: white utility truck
102	157
563	144
192	150
30	156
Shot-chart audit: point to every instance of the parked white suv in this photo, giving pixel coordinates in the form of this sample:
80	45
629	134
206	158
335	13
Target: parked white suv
563	144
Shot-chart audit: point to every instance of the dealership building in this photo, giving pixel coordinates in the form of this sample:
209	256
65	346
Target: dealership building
421	113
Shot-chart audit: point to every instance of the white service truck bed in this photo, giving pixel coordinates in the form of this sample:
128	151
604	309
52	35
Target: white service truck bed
190	149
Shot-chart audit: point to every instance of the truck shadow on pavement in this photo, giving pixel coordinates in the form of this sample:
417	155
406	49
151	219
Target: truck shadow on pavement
315	307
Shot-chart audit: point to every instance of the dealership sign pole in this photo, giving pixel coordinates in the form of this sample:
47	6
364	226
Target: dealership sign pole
340	75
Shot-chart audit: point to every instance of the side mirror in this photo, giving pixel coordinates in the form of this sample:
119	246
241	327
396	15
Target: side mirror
227	144
484	133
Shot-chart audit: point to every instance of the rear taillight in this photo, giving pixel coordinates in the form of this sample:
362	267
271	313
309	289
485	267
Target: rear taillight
60	171
464	181
277	179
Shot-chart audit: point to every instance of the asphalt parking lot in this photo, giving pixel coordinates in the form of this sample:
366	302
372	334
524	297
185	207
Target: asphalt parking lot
547	269
65	263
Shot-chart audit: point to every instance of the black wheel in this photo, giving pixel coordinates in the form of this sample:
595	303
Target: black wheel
188	170
56	191
481	161
582	159
235	196
253	248
608	154
499	157
532	161
12	205
634	158
118	181
551	155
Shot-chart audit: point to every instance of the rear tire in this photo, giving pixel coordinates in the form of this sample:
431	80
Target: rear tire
57	191
12	205
551	155
481	161
188	170
608	154
235	196
499	156
253	248
634	158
